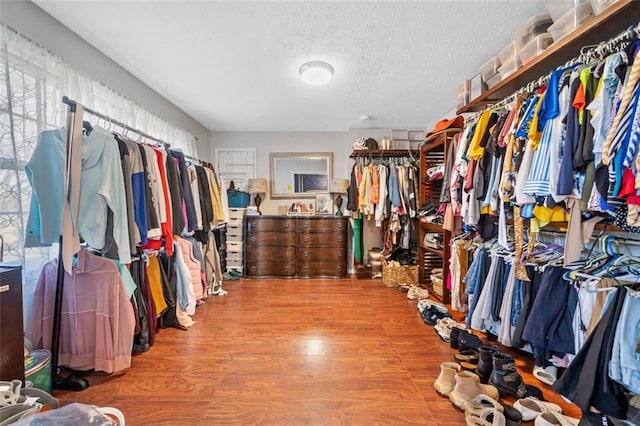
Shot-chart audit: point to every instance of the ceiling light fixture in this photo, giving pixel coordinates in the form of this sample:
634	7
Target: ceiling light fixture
316	73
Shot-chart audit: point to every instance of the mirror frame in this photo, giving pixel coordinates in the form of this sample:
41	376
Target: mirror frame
273	156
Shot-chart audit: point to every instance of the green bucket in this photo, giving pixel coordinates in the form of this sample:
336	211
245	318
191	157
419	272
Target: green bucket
37	368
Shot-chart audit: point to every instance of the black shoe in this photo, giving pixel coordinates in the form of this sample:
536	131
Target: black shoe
485	363
468	340
505	377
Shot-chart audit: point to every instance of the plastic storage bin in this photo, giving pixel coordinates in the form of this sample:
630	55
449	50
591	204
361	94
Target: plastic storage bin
493	81
462	94
490	68
238	198
570	21
535	47
509	55
509	68
599	6
557	9
533	27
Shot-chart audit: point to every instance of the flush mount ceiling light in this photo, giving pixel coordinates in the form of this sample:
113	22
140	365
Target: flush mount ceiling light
316	73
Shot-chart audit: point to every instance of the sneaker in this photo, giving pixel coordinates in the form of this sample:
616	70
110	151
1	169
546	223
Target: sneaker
235	272
431	315
425	303
227	276
415	292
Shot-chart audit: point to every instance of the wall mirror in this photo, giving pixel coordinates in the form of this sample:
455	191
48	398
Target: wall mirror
300	174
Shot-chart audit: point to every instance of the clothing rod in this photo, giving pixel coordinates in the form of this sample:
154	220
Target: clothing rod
72	106
630	34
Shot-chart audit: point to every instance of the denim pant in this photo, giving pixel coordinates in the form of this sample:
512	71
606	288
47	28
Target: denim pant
624	366
516	303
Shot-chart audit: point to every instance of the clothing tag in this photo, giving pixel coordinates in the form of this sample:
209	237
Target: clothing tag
31	400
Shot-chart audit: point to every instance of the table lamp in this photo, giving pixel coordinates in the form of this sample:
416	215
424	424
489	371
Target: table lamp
257	186
339	186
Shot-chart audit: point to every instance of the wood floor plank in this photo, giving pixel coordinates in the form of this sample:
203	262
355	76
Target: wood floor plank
291	352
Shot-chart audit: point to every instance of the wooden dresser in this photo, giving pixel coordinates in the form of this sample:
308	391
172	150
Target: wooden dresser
302	247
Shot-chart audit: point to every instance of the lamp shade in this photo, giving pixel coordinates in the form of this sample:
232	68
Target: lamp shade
339	185
257	186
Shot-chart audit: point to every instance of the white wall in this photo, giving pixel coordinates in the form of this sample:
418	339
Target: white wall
31	21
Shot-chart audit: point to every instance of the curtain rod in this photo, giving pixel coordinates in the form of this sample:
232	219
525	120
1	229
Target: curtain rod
594	52
72	107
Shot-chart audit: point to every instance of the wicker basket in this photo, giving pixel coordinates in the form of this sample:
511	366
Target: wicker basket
438	285
400	275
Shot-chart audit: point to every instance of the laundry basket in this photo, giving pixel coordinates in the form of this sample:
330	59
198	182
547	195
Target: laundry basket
396	275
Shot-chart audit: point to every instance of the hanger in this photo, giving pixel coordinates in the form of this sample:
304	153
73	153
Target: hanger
87	127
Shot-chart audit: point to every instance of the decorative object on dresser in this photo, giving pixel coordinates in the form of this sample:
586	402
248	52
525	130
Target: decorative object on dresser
339	186
324	203
303	247
257	186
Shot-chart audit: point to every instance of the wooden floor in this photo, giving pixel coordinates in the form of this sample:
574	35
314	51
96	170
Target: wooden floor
291	352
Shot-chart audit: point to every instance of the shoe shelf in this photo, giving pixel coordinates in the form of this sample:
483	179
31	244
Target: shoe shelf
433	152
437	252
616	18
432	227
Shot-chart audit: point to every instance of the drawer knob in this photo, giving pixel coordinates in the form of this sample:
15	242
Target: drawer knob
286	269
253	268
306	239
287	225
305	269
340	225
306	225
305	254
253	238
340	254
339	269
252	225
339	239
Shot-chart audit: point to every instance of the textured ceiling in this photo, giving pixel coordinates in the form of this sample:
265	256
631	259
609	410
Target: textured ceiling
233	65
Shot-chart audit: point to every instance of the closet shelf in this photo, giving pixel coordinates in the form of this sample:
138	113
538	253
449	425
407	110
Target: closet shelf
432	250
433	227
616	18
365	153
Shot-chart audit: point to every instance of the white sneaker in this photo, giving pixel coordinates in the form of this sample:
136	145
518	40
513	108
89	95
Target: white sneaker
555	419
531	407
425	303
416	292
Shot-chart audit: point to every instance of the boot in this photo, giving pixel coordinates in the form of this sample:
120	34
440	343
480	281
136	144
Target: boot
485	362
468	387
508	381
447	378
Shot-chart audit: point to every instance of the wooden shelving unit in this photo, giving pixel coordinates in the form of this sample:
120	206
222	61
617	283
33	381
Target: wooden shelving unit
432	153
615	19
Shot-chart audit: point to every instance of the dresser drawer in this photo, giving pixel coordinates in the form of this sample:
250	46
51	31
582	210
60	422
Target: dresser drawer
262	253
335	238
321	225
321	269
259	224
270	269
281	239
313	254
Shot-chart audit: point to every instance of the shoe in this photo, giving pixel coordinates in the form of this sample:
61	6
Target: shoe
486	417
555	419
468	360
424	304
455	333
483	402
227	276
431	315
467	387
485	362
444	326
468	340
235	272
530	408
506	378
416	292
546	375
446	381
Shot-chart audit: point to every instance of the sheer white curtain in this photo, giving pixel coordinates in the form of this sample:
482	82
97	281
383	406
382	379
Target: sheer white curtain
32	83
